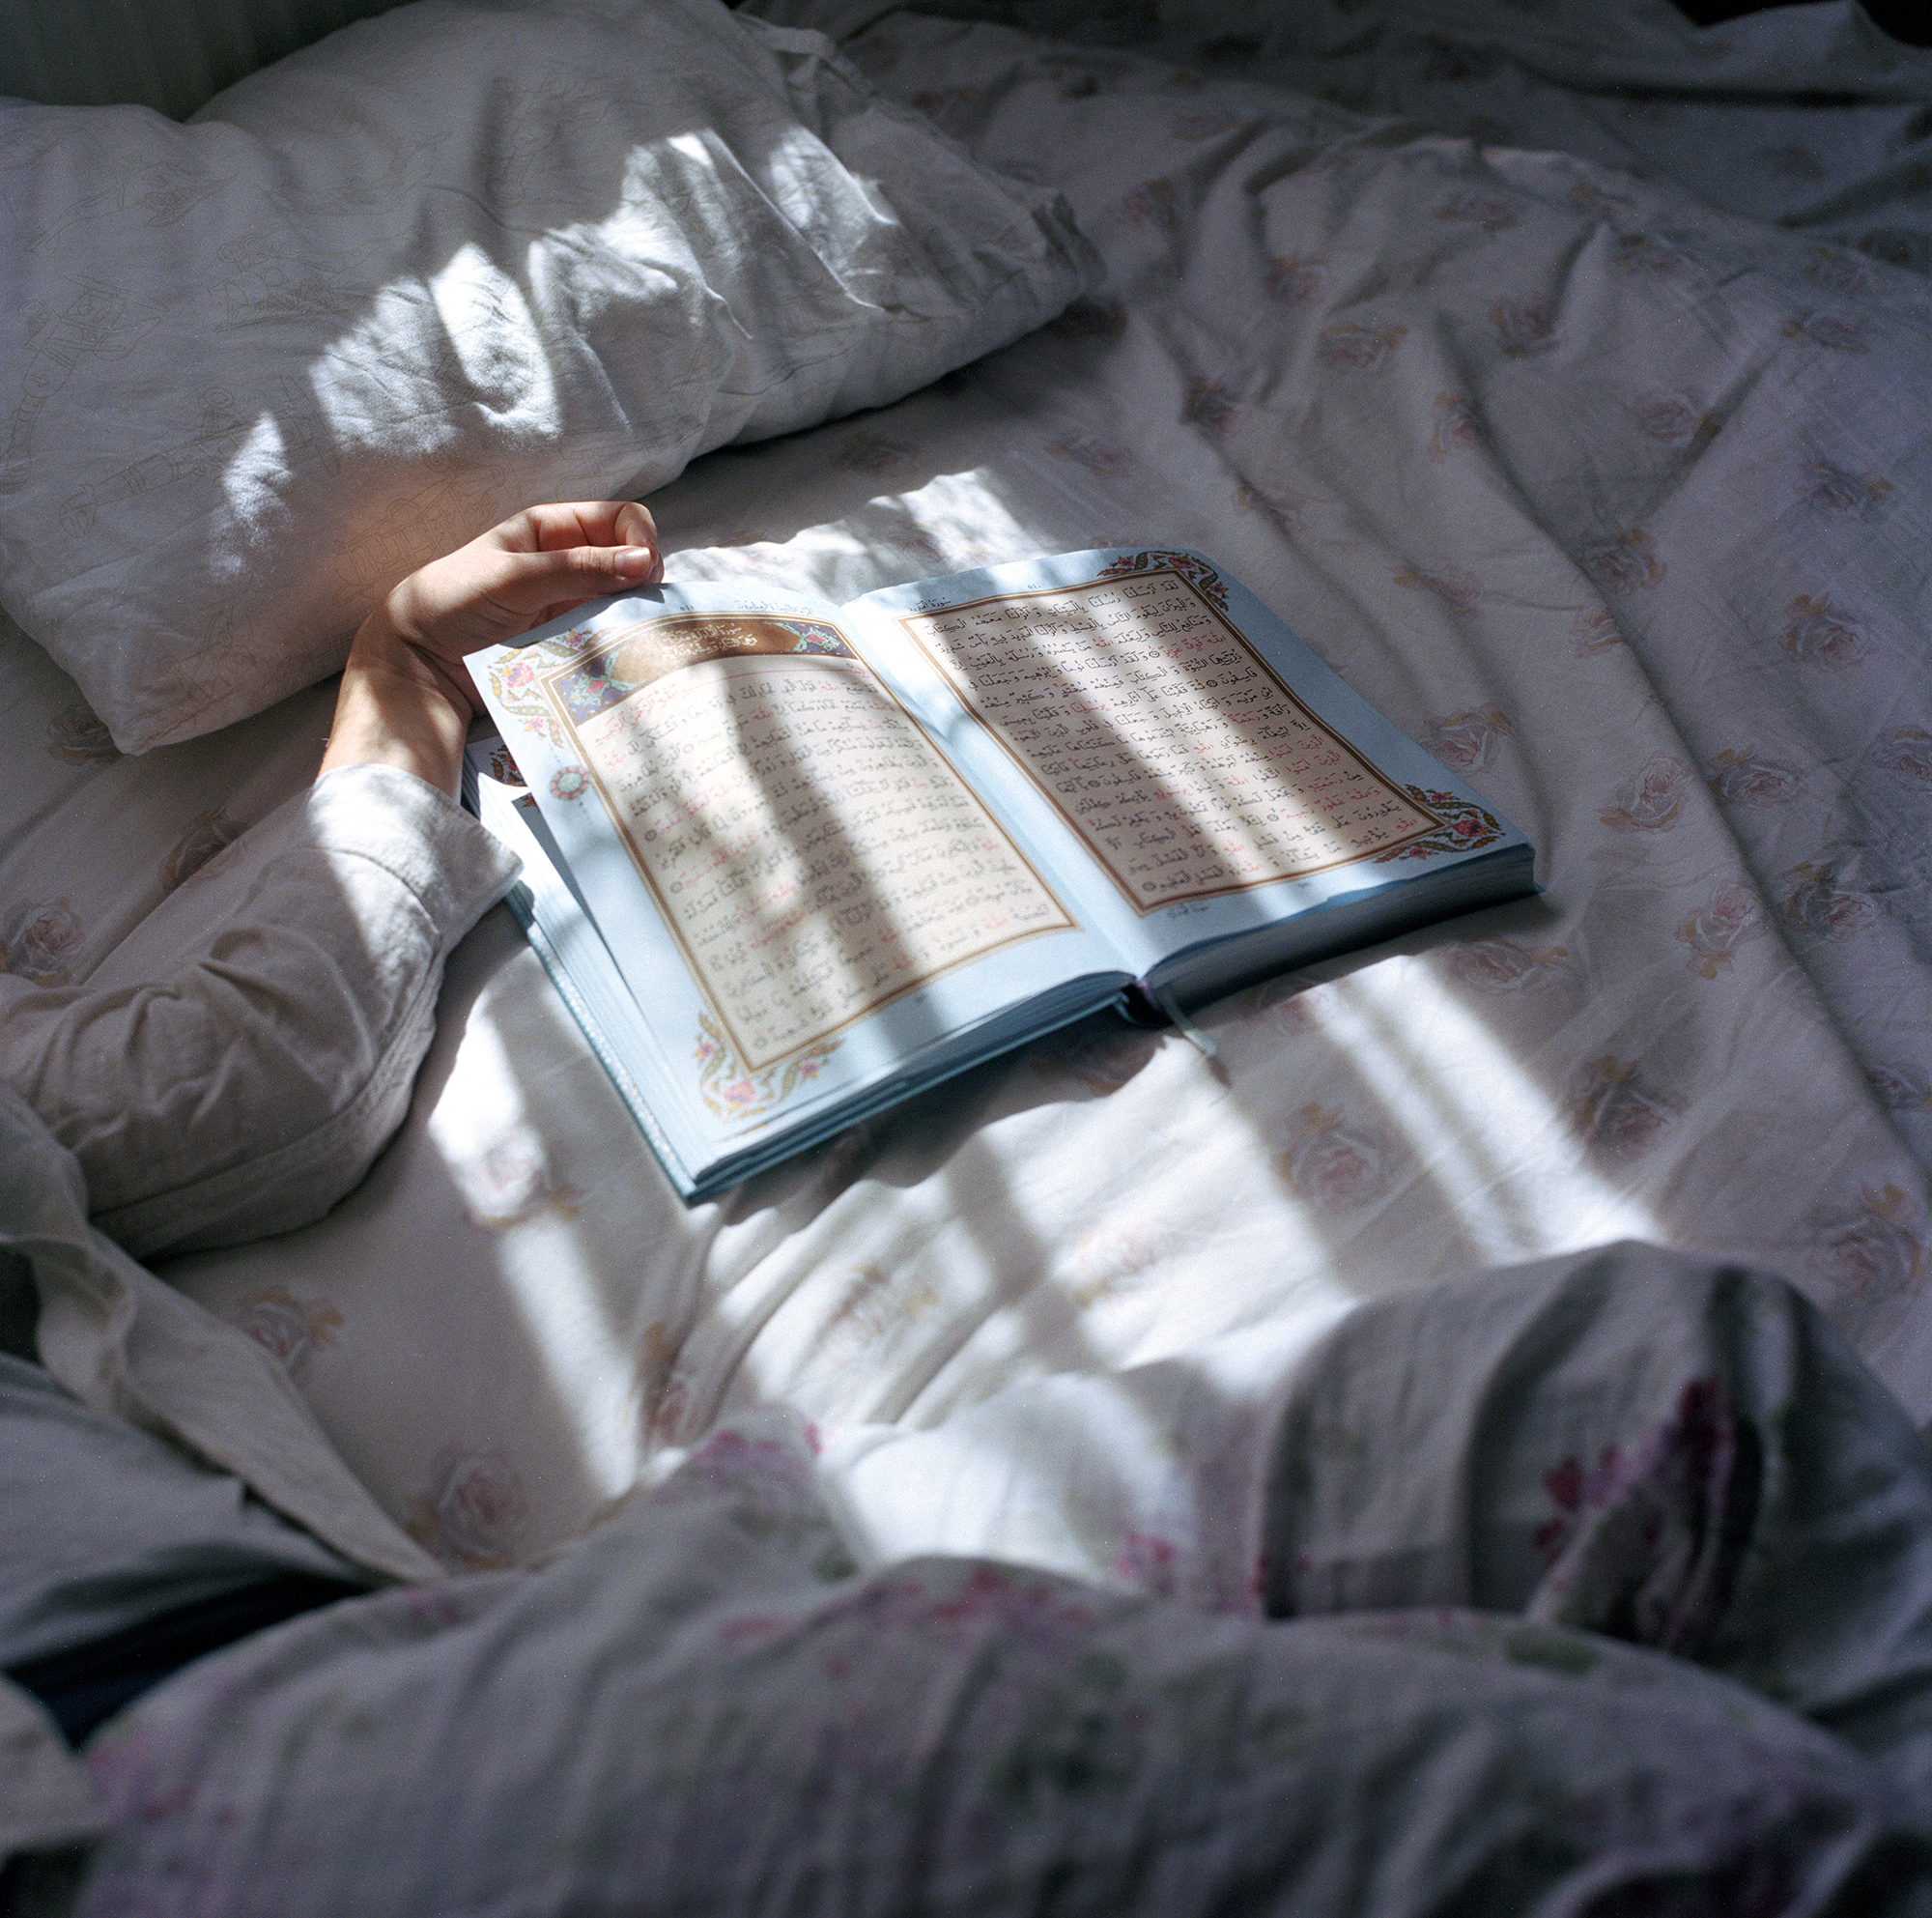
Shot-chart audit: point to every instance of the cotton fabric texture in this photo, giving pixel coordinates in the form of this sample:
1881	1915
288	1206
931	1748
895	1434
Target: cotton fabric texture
449	261
714	1703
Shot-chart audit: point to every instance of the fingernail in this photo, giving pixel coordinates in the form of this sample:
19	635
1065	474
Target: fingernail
634	561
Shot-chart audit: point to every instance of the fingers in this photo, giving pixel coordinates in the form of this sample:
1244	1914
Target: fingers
533	567
581	522
528	587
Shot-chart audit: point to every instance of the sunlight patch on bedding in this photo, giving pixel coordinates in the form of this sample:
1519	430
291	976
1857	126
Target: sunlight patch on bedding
952	524
1012	1479
497	1162
1497	1142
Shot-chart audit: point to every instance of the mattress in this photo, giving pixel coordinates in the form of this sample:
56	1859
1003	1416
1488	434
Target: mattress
1571	404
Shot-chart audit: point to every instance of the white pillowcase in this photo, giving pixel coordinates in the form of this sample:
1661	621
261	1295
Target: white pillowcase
449	262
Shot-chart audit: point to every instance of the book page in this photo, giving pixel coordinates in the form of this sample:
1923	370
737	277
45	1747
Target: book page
1162	738
811	850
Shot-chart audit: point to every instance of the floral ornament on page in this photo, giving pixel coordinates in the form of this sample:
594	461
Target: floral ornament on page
1197	572
1464	827
733	1089
513	682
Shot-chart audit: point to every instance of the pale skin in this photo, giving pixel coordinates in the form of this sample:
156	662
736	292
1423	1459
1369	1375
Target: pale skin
406	698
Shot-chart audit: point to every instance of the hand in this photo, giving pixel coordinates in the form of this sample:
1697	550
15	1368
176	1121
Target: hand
407	698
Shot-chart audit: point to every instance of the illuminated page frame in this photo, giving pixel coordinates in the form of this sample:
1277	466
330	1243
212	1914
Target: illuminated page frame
1205	595
585	684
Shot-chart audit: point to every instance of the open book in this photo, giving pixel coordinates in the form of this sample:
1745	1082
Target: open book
791	862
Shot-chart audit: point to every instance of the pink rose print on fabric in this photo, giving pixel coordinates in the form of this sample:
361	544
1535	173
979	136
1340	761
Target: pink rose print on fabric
1828	330
474	1511
1612	1106
1819	905
1524	329
1832	267
1099	456
1155	205
209	835
766	1488
1282	510
1354	347
43	942
1334	1165
1653	800
509	1181
1295	281
1674	419
1455	426
1899	246
1624	562
1115	1261
1647	1547
664	1392
80	737
1739	777
1820	635
1873	1252
1900	1088
1612	209
1641	256
960	1602
1833	491
1467	741
873	454
1457	585
286	1324
1905	756
1210	404
1594	629
1500	965
1489	211
1713	930
1574	1489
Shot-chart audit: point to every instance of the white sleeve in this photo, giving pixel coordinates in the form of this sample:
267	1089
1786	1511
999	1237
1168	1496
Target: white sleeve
249	1091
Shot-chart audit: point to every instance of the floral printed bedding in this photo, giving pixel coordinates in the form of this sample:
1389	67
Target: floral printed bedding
1566	391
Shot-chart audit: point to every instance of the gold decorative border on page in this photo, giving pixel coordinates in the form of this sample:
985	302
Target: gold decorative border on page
1431	833
734	1090
1466	827
622	662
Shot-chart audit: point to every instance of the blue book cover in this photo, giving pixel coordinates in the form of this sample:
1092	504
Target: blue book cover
792	862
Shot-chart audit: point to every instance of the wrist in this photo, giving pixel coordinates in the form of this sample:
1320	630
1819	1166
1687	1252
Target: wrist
397	708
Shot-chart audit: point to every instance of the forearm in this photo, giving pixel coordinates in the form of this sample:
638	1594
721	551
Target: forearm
245	1094
387	715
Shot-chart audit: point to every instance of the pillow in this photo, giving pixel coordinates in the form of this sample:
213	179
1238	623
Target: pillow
447	262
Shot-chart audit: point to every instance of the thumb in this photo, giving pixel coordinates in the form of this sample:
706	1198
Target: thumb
531	587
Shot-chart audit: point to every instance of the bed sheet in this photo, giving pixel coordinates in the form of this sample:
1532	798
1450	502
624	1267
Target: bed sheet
1609	495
